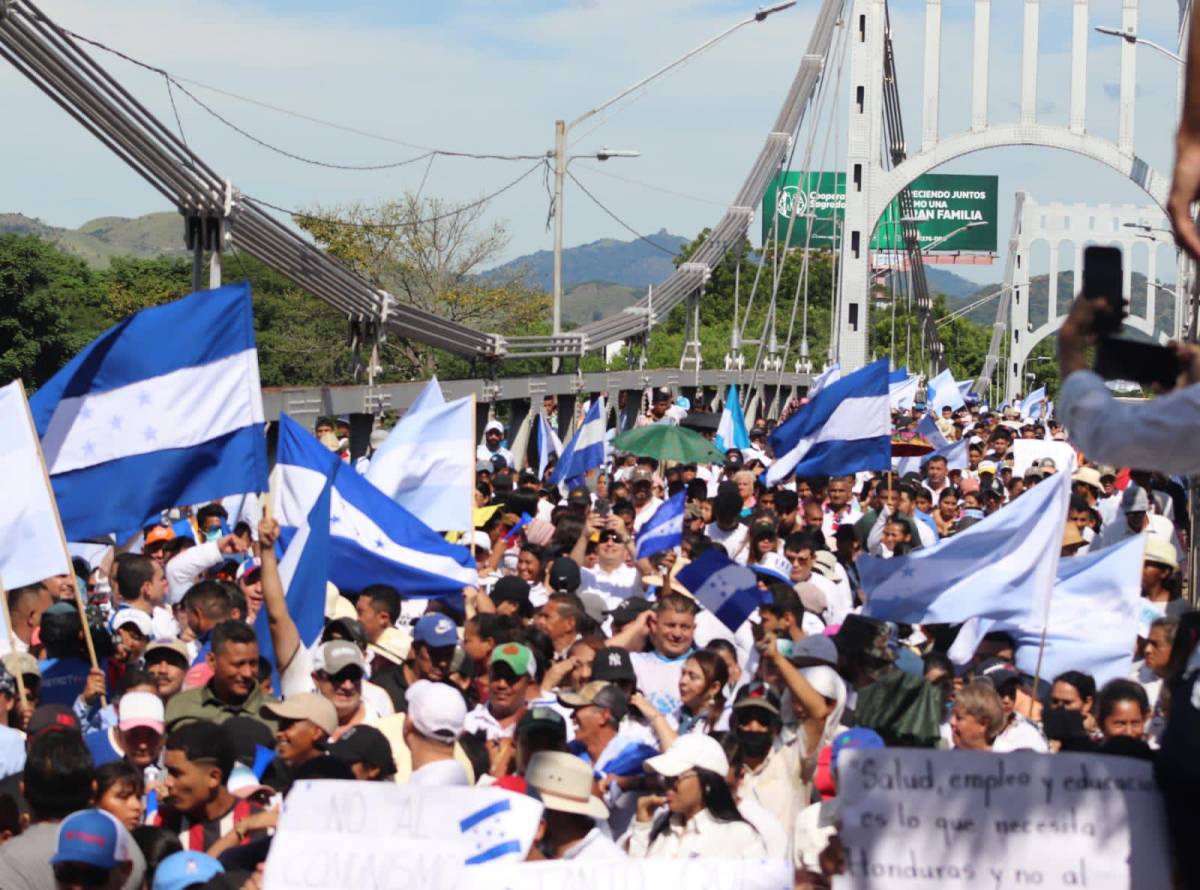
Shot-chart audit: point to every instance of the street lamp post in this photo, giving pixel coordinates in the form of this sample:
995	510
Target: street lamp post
562	130
1131	37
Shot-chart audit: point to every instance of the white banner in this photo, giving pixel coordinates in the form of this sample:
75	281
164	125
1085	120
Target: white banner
917	819
1026	451
633	874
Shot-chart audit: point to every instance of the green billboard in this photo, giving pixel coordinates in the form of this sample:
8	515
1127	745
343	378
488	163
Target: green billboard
955	212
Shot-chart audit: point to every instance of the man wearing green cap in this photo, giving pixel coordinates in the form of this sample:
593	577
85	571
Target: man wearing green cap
511	672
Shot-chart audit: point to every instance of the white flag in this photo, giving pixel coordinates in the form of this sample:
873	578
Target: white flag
32	548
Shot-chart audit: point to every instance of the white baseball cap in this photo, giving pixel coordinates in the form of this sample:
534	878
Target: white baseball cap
481	540
691	751
137	618
436	710
140	709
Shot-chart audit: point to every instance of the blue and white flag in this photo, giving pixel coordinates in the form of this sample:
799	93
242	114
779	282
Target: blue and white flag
489	835
731	430
1031	405
33	547
163	409
663	530
373	540
903	393
941	391
427	465
832	374
587	449
726	588
1000	568
549	445
303	571
846	428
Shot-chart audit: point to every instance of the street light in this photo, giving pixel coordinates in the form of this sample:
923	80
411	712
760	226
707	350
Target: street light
1131	37
562	129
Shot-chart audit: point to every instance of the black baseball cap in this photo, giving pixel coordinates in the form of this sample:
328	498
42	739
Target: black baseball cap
564	575
579	496
629	609
541	718
612	663
368	746
511	589
757	695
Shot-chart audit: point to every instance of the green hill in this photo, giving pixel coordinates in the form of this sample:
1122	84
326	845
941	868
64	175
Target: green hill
98	240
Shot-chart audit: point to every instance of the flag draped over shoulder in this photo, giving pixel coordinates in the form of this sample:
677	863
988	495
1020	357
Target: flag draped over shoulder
664	529
163	409
373	540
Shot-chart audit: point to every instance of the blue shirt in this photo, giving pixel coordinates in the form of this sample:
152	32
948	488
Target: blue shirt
63	679
101	746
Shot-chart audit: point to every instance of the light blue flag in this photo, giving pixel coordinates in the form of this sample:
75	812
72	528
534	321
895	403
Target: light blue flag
1031	405
942	391
303	571
726	588
847	427
903	393
427	465
549	445
664	529
955	454
430	396
373	540
163	409
1092	620
587	448
999	568
731	430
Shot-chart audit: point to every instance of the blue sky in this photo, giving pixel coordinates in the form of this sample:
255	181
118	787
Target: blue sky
492	75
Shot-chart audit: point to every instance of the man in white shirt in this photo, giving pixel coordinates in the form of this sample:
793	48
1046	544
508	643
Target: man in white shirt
612	577
493	434
672	628
840	507
641	484
435	719
726	528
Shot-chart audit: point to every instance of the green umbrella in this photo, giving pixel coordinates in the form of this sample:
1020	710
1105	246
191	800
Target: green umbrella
667	442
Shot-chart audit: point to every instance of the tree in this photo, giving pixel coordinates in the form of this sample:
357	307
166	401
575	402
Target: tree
428	253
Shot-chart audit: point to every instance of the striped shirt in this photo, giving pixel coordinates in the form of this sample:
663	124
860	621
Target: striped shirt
199	836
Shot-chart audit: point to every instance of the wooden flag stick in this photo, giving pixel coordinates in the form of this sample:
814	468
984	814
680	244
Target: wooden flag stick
12	644
62	537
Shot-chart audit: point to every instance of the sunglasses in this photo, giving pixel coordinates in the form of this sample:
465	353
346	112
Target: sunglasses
669	783
350	674
83	875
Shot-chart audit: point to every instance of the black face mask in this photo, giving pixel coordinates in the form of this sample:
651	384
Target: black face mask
755	743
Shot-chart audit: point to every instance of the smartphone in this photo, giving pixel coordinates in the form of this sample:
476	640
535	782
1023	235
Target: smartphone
1121	358
1102	277
602	506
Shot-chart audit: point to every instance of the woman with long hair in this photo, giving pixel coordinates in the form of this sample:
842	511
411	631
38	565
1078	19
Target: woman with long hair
701	692
699	817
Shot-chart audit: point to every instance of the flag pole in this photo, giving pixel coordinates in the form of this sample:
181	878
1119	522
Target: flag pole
62	537
12	643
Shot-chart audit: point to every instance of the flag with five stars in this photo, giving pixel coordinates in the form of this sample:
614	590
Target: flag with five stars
161	410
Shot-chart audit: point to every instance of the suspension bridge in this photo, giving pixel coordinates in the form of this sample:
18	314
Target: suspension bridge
849	58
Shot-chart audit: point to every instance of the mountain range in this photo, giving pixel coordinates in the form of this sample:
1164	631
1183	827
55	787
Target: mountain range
600	278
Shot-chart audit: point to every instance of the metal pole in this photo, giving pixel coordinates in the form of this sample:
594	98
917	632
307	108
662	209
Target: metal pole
560	172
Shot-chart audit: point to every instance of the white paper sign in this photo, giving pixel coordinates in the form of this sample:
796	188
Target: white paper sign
1026	451
916	819
345	835
633	874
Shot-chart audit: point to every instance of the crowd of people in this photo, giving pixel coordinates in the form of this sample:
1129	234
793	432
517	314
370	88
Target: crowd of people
573	671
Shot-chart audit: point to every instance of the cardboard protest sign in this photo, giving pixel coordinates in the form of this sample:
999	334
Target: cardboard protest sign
915	818
354	835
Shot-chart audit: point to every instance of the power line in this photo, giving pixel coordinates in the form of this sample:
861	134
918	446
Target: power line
655	188
618	219
400	225
177	82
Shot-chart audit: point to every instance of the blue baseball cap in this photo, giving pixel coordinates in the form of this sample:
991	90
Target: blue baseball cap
854	738
92	837
180	870
436	630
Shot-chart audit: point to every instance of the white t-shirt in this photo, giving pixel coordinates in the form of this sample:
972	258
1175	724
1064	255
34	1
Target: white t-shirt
734	540
621	583
1018	735
658	679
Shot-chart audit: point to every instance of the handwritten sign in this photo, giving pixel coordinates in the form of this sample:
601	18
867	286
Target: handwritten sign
915	819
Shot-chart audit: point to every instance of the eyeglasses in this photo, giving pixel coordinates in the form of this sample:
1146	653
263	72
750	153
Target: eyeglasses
83	875
669	783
